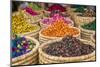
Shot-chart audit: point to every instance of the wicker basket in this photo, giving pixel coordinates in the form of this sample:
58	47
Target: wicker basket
91	59
92	38
26	58
79	20
48	59
45	62
34	33
69	11
42	24
73	9
43	38
29	18
86	34
15	13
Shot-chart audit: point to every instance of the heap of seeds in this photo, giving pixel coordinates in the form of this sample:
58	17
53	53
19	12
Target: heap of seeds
68	47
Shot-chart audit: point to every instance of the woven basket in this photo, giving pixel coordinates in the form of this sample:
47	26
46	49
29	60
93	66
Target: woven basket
48	59
31	34
86	34
15	13
42	24
91	59
73	9
34	33
30	56
29	18
92	38
69	11
26	61
43	38
79	20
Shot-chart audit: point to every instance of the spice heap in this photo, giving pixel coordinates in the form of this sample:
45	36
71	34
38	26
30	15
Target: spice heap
20	46
47	21
55	18
57	7
55	12
90	26
19	25
30	11
78	6
89	13
68	47
35	6
31	16
80	9
60	29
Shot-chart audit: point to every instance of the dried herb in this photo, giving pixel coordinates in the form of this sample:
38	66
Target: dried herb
90	26
68	47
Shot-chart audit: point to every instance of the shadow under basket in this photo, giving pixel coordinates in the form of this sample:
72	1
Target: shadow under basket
28	58
49	59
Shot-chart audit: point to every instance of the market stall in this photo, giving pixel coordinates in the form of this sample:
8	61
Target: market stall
54	33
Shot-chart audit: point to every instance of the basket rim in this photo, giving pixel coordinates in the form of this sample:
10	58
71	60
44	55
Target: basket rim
33	22
26	13
33	50
77	14
80	26
30	14
67	18
38	29
42	20
23	61
92	37
63	58
48	37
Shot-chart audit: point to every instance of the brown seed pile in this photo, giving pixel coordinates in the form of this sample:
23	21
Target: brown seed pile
68	47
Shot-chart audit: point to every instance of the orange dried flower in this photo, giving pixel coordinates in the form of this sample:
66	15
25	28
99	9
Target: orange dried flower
60	29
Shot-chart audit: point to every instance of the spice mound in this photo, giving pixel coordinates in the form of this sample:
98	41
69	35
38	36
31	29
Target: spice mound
89	13
35	6
47	21
60	29
30	11
21	46
90	26
56	7
56	17
19	25
80	9
68	47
